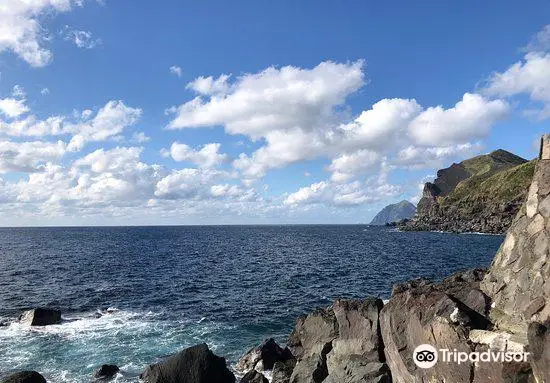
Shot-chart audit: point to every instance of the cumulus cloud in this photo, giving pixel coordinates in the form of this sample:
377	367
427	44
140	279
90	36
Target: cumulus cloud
300	114
341	194
20	29
82	39
29	156
471	118
12	107
529	76
206	157
273	99
208	86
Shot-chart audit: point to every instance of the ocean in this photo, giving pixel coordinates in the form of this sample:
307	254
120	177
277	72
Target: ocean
132	295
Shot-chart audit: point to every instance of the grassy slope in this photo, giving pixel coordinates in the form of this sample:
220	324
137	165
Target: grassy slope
489	186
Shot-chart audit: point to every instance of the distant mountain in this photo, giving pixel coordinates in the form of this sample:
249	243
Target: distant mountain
395	212
481	194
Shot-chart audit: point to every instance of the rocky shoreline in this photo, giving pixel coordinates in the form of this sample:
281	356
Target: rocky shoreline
503	311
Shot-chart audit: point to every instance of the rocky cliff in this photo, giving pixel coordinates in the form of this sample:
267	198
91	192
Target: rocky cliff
481	194
394	213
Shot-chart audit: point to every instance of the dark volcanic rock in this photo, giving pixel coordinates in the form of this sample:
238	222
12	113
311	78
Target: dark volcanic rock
254	376
282	371
25	377
195	364
40	317
106	372
340	344
264	356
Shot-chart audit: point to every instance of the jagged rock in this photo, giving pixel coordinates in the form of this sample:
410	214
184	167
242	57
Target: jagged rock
195	364
254	376
539	346
263	357
40	317
519	275
340	344
25	377
282	371
106	372
418	316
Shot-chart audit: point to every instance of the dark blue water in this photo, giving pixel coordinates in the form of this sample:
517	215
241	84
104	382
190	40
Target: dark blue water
172	287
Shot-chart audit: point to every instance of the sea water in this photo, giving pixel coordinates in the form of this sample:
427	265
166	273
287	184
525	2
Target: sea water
133	295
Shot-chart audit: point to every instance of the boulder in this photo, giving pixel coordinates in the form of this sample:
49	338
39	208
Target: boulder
106	372
25	377
340	344
40	317
263	357
448	315
195	364
254	376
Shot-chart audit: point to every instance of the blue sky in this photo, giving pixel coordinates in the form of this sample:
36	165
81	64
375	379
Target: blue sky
127	112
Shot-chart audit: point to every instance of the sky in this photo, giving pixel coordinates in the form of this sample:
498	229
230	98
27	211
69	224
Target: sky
120	112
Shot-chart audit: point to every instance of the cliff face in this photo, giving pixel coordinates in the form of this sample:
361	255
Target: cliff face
394	212
482	194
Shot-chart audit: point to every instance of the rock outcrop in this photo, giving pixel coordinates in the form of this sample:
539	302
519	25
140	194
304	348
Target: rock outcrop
340	344
195	364
481	194
25	377
40	317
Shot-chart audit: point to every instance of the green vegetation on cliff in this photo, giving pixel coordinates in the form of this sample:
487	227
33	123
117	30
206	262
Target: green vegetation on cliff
481	194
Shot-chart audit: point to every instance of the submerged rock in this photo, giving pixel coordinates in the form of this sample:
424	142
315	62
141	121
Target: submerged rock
195	364
40	317
106	372
25	377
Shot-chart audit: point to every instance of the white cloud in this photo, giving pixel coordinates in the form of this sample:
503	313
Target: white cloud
20	29
208	86
174	69
299	114
29	156
273	99
82	39
18	92
197	184
12	107
44	91
206	157
109	122
471	118
540	42
140	137
348	166
342	194
530	76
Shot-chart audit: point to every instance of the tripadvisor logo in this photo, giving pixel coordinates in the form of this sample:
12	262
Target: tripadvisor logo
426	356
